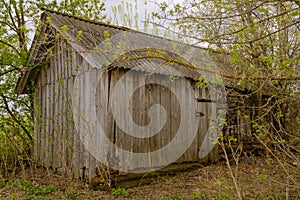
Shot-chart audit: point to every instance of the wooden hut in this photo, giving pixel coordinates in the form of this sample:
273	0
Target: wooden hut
58	56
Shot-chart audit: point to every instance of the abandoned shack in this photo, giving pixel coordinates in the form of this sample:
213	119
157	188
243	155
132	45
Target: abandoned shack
66	46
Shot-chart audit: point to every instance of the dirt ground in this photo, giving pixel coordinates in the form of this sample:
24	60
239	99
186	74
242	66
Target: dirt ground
257	178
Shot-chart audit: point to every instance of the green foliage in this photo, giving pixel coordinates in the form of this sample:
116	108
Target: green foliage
177	197
119	192
260	42
202	81
90	193
79	35
92	10
18	20
31	191
257	45
199	196
72	194
263	175
126	14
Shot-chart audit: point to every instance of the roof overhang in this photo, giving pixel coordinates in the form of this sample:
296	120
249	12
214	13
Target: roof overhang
30	73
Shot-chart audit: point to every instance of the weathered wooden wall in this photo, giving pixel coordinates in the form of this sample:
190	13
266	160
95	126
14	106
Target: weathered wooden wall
57	143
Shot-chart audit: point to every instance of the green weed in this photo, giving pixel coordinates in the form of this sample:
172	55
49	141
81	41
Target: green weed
119	192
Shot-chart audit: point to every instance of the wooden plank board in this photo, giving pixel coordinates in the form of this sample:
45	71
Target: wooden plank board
209	108
77	143
150	103
105	119
60	136
64	59
191	153
54	99
118	132
203	124
36	122
37	119
185	120
214	154
60	67
76	152
110	128
160	131
96	143
47	138
178	115
114	154
69	128
64	128
128	141
136	104
80	124
68	110
136	109
91	167
43	124
56	126
142	115
165	101
85	125
50	122
43	79
198	93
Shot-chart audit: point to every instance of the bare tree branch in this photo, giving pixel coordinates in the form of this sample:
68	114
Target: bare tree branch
15	119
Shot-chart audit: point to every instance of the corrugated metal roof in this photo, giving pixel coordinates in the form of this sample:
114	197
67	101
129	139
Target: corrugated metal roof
102	44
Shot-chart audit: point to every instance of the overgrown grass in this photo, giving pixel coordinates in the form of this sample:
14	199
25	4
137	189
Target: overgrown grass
262	179
27	189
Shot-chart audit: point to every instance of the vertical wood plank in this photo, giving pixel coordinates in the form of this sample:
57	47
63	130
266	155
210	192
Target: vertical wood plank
47	144
37	120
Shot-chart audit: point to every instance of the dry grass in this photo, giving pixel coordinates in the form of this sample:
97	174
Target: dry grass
258	178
